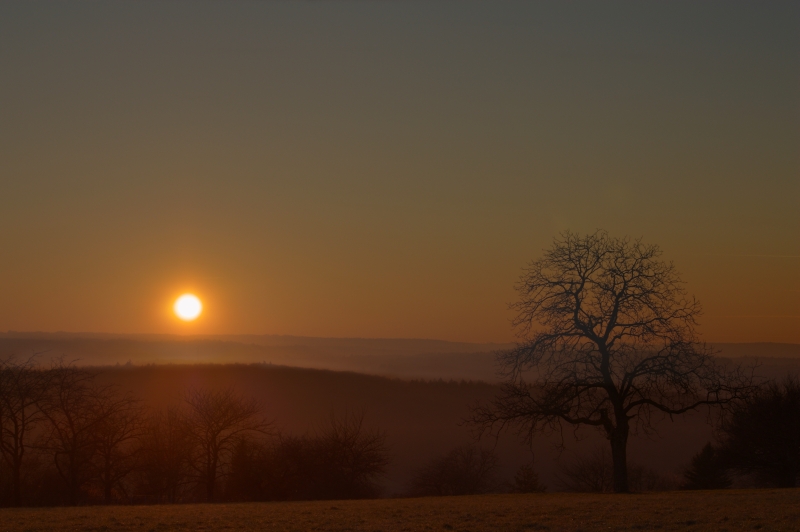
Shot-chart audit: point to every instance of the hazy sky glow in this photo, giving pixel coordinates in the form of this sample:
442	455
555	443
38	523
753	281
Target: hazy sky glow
385	169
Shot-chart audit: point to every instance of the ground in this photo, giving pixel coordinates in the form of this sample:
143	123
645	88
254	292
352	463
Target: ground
695	511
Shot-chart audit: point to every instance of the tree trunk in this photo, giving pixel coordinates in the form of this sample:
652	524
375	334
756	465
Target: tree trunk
107	490
210	481
71	496
107	484
16	481
619	456
211	478
73	491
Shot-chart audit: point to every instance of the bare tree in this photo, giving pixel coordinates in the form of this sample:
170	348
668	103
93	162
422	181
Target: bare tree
465	470
588	473
22	388
116	437
163	461
75	406
250	468
349	458
215	421
606	339
344	459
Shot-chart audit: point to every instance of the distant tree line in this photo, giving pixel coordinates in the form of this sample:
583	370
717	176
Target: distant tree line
67	439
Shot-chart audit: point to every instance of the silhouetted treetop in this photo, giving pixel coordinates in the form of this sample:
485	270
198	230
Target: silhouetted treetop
598	292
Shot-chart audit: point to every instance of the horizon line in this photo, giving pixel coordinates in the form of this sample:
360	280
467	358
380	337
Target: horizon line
222	335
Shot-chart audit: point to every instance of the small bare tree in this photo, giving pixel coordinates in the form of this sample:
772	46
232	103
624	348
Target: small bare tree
588	473
76	407
88	428
116	442
465	470
349	458
22	388
163	470
215	422
606	339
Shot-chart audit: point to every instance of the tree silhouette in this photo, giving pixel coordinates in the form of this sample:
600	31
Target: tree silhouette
343	460
526	480
75	406
163	457
592	472
465	470
706	472
215	421
606	339
22	389
117	437
349	458
762	436
247	479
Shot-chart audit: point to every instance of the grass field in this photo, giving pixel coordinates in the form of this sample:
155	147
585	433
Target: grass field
712	510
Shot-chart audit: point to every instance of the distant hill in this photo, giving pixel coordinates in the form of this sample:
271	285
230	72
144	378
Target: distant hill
414	359
402	358
422	419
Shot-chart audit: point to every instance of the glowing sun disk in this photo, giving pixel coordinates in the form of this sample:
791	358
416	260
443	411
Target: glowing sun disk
188	307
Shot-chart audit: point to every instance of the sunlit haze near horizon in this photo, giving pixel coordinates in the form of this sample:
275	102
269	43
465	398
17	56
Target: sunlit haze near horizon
386	169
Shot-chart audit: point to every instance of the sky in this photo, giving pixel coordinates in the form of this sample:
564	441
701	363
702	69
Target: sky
386	169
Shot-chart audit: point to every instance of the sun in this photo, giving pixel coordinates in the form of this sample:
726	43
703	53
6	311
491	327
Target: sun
188	307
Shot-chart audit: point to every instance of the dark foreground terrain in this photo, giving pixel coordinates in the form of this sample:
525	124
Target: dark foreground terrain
688	510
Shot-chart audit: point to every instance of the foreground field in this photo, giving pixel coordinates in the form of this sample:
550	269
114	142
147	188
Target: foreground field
696	511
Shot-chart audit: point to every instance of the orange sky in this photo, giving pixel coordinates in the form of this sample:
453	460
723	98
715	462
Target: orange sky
386	169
